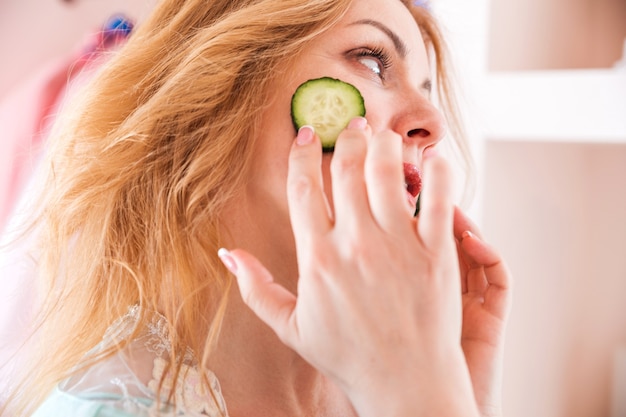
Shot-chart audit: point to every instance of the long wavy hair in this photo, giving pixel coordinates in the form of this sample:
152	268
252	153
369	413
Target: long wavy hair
143	162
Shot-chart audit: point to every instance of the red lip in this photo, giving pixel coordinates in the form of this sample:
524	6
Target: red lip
413	179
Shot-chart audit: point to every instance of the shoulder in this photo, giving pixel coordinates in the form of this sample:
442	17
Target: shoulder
128	382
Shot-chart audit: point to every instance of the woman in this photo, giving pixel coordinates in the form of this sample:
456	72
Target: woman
344	303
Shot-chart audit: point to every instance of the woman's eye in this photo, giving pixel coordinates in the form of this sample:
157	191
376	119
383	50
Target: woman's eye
374	59
373	64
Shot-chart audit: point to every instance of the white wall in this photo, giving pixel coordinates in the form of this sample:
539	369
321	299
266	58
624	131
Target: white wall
556	34
552	190
556	210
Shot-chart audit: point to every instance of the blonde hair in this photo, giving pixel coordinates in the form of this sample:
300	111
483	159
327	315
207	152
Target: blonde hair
142	165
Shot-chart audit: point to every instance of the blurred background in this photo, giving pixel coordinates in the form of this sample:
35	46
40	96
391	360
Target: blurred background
543	86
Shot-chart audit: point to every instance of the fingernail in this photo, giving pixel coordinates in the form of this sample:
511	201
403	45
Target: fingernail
467	234
305	135
358	123
227	260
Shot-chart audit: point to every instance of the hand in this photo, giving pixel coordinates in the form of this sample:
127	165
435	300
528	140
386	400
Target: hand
486	288
378	308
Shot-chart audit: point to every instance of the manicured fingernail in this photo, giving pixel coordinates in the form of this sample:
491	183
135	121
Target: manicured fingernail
358	123
305	135
467	234
227	260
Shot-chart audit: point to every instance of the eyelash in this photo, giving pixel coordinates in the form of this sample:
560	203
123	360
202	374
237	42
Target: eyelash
380	55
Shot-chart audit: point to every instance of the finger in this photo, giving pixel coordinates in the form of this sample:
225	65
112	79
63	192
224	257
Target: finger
384	177
462	223
435	226
462	266
347	169
476	282
480	254
308	208
271	302
489	274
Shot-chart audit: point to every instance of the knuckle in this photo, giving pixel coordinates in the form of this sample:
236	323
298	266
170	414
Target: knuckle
322	258
361	250
347	164
385	169
301	186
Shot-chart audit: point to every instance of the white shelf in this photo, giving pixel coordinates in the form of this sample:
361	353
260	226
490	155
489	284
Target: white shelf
569	105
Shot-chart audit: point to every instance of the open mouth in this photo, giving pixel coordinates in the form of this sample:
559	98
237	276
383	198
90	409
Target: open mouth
413	183
412	179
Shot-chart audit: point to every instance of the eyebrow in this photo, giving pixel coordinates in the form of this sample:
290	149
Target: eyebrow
398	43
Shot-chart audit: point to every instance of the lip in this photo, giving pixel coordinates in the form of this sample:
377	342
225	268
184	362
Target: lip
413	182
412	179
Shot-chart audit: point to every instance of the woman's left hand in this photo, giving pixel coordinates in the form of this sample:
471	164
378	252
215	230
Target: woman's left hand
486	287
378	309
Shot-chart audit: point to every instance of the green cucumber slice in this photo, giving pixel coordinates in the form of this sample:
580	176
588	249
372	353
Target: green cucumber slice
327	104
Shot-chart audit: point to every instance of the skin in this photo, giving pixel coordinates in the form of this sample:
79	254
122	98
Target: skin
397	105
346	304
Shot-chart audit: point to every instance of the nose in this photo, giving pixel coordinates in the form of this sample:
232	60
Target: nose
419	122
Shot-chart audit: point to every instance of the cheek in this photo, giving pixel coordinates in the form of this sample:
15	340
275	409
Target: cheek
275	136
268	173
378	109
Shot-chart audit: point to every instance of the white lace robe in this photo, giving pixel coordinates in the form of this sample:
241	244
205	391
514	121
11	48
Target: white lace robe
126	384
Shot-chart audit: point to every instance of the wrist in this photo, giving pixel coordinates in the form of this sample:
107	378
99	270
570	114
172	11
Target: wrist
438	388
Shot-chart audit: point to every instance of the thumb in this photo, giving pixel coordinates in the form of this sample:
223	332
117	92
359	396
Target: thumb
270	301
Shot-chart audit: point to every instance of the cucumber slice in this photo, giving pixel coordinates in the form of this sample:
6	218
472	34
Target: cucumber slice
328	105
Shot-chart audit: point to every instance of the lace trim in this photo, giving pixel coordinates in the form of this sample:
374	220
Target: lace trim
190	393
191	396
156	333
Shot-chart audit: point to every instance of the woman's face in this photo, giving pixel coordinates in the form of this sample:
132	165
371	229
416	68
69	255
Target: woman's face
378	48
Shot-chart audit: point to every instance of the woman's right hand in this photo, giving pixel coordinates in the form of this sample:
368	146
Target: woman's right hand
378	308
487	291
